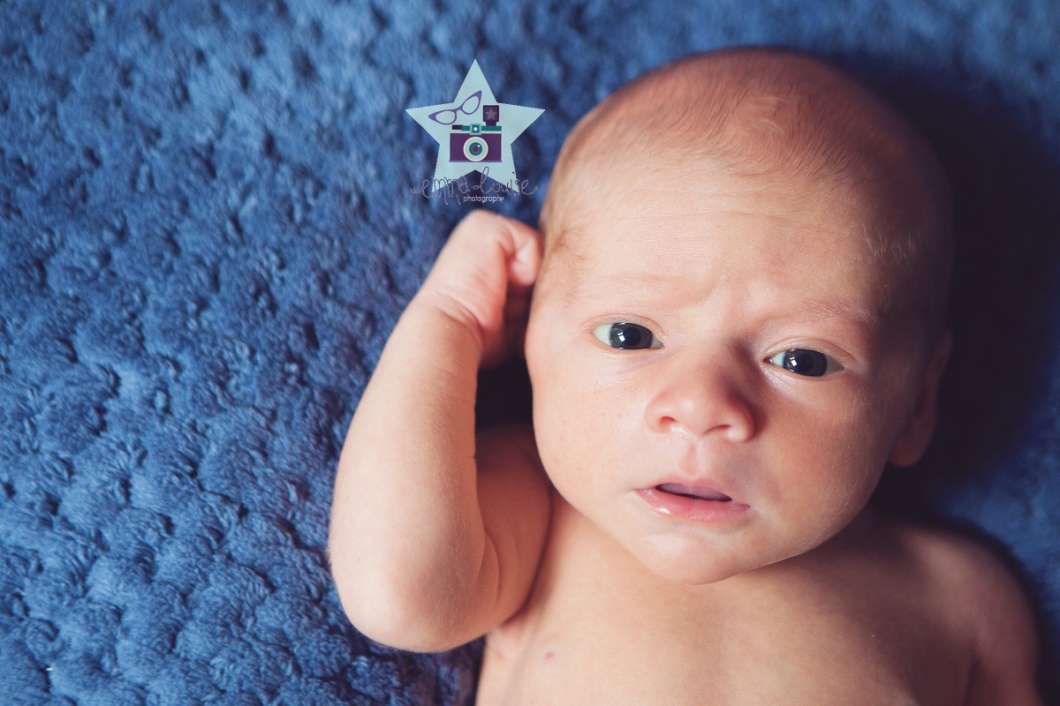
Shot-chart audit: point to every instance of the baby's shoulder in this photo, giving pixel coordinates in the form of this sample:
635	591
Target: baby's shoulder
981	594
965	571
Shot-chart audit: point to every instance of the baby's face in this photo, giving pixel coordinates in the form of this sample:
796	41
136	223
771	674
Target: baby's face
724	342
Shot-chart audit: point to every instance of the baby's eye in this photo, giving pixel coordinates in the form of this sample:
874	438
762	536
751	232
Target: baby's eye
626	336
803	361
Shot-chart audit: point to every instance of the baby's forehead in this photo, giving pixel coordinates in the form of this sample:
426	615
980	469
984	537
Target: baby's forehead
649	253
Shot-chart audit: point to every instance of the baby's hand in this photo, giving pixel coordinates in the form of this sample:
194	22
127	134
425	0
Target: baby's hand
482	279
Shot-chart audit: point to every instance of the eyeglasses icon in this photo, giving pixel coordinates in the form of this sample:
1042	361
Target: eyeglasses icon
448	116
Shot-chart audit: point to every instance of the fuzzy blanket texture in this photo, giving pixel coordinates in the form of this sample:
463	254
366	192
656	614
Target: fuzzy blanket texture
208	229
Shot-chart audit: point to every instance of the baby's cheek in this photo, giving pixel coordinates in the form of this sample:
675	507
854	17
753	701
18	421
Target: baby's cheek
558	445
843	490
817	480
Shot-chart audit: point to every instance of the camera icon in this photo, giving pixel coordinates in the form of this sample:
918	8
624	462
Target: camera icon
477	142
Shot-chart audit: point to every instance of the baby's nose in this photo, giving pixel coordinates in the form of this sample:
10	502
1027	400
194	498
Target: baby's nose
703	390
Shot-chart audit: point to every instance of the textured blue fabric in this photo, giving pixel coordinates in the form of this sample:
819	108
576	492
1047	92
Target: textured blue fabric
207	232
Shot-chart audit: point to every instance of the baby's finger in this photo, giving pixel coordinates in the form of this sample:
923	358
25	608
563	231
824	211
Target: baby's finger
527	253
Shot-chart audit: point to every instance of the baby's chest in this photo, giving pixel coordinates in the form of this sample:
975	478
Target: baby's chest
605	638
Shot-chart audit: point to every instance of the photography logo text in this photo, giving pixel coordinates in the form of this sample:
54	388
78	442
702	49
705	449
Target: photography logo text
474	133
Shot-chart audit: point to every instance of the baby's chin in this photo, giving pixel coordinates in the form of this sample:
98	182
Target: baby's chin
692	561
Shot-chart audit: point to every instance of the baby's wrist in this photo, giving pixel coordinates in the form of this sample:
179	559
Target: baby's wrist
440	309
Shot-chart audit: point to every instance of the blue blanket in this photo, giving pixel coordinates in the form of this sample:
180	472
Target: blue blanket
207	230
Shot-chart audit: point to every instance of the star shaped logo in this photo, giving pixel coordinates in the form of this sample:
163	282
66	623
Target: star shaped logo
474	132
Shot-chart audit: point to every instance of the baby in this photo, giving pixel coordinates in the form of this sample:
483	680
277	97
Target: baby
737	319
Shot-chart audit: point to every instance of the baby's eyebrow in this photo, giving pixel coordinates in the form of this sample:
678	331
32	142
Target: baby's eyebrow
664	284
587	284
836	308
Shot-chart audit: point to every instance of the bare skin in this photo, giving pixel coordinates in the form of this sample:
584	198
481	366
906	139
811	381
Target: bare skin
573	545
883	614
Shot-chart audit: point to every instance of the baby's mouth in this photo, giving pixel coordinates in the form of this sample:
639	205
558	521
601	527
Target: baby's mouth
695	492
696	504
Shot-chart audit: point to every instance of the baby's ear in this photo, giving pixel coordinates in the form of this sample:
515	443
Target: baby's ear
914	439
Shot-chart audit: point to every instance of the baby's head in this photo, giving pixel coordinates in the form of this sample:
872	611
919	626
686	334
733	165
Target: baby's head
742	299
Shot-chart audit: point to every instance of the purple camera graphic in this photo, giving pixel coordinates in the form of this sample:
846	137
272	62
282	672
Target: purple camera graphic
477	142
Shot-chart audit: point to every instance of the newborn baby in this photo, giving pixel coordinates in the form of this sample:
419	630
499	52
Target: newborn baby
737	319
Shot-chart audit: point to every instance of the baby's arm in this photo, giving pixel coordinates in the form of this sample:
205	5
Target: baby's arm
427	550
1005	640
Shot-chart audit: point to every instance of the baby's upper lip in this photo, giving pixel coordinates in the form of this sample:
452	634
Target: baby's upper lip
700	473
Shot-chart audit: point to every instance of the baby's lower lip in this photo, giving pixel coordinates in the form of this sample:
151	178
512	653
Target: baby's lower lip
713	508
